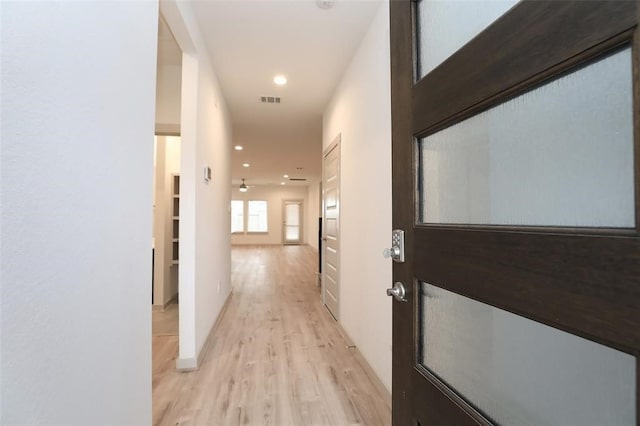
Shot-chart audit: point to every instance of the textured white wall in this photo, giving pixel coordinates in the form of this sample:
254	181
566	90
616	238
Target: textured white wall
78	92
186	272
360	110
213	221
205	243
274	195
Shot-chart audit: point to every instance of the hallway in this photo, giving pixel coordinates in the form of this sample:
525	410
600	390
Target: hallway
277	356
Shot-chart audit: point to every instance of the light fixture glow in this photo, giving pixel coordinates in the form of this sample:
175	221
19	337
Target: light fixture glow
280	80
282	183
324	4
246	165
238	148
285	176
243	187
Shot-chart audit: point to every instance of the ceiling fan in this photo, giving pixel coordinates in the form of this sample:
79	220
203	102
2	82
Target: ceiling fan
243	186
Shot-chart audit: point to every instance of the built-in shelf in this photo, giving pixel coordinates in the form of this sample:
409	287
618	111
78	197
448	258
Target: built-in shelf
176	206
175	249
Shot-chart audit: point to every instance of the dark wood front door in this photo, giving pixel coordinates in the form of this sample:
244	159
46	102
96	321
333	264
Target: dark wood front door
516	141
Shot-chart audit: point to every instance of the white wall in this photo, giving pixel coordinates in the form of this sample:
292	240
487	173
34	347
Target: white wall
360	110
313	213
274	195
77	90
205	242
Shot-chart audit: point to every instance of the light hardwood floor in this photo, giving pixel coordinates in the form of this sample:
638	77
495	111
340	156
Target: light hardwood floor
277	356
165	323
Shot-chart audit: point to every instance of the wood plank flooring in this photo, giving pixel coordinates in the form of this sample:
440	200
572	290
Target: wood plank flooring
165	323
277	357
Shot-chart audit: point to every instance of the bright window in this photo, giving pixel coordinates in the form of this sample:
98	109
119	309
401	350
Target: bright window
257	216
237	216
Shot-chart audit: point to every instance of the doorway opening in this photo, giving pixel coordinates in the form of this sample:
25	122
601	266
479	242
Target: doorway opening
293	223
166	185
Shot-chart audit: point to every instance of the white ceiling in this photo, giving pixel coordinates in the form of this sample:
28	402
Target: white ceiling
252	41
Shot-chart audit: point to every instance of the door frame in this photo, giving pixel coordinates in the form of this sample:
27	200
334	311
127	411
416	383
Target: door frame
591	37
334	145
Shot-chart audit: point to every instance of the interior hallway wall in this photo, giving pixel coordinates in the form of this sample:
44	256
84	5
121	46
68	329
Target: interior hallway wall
274	195
78	90
313	213
205	241
360	110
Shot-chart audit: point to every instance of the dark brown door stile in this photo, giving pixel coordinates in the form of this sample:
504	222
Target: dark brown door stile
403	210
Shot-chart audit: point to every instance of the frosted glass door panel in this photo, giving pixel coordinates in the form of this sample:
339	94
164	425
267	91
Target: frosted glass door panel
560	155
446	25
293	214
520	372
292	222
293	233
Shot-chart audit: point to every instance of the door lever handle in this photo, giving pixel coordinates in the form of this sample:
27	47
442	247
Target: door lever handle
398	292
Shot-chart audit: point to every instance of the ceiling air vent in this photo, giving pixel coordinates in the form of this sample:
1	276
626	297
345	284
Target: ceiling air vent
270	99
297	179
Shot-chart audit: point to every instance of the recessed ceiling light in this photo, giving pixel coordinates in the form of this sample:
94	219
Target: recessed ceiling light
238	147
285	176
282	183
324	4
280	80
246	165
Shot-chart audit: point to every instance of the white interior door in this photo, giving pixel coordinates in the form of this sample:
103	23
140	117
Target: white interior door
292	225
330	227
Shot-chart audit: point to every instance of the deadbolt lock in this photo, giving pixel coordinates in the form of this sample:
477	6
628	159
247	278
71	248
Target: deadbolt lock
396	251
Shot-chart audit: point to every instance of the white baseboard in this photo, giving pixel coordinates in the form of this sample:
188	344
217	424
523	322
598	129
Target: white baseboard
174	299
162	308
193	363
373	376
186	364
365	365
